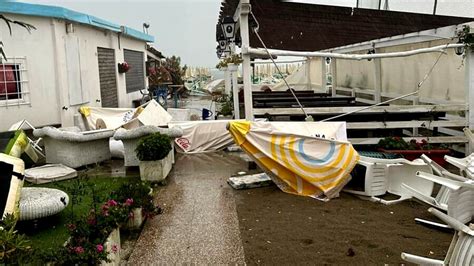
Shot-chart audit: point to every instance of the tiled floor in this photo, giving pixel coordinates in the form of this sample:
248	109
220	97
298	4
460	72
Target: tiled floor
199	224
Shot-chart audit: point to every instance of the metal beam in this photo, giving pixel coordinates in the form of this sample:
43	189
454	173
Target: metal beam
435	49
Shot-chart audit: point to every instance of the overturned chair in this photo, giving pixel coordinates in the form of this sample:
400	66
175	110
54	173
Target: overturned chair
387	175
461	249
74	148
131	137
456	195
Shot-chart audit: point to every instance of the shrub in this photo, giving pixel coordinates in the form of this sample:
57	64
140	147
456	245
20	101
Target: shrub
137	195
153	147
14	248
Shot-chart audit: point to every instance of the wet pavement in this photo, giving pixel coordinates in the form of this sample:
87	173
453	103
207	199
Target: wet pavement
199	224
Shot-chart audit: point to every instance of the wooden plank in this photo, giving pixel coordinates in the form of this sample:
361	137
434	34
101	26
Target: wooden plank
375	109
448	139
406	124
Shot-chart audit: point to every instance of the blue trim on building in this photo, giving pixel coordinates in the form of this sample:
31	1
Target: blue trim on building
70	15
137	34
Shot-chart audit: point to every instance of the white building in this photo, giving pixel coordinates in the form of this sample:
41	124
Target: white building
70	60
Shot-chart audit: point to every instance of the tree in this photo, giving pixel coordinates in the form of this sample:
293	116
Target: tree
9	23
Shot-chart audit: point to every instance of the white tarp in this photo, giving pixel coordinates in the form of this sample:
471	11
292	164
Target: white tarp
203	136
299	79
153	114
215	86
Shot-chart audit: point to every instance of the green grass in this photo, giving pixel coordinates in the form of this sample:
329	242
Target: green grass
50	233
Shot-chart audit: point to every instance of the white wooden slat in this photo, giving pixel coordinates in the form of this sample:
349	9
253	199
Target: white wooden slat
376	109
406	124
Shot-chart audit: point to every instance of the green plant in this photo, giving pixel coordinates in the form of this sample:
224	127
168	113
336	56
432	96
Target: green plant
398	143
14	248
233	59
465	36
227	106
137	195
153	147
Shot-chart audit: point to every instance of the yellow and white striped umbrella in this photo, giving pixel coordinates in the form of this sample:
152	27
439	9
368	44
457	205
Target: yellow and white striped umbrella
302	158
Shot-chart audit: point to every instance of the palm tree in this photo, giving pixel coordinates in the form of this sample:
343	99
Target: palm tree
9	23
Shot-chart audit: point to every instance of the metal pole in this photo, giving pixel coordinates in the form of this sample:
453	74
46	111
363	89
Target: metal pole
469	88
244	34
435	6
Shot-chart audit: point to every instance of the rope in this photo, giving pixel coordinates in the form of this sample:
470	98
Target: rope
308	118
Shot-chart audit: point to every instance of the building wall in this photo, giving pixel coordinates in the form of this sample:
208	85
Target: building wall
55	93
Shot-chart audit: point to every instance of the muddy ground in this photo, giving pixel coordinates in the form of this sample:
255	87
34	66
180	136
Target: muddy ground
279	228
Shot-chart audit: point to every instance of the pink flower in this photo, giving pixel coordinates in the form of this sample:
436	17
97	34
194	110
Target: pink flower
100	248
128	202
79	250
112	202
114	248
71	227
91	221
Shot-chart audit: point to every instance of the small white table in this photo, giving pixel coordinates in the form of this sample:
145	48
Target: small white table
38	202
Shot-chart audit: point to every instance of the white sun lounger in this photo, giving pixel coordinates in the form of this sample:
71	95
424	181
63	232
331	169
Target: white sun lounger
388	175
458	202
461	250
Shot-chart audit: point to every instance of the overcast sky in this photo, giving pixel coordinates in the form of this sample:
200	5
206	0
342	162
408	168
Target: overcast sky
187	27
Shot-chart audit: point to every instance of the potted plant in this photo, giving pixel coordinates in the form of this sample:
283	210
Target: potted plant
413	149
230	62
226	109
138	197
156	160
123	67
95	239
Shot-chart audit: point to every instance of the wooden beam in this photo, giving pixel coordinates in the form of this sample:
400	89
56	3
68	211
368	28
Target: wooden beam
376	109
406	124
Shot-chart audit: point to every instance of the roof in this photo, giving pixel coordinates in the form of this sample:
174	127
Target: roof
312	27
155	52
71	15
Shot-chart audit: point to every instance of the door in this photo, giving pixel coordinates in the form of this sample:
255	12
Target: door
107	76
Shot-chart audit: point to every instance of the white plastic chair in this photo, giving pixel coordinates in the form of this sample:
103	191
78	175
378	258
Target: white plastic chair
461	249
465	165
459	202
388	175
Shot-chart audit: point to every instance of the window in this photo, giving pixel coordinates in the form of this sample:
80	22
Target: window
135	77
10	85
13	82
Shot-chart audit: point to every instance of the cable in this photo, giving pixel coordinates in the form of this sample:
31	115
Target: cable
308	118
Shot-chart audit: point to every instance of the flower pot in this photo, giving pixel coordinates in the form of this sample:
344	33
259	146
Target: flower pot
156	171
232	67
112	245
135	221
435	155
